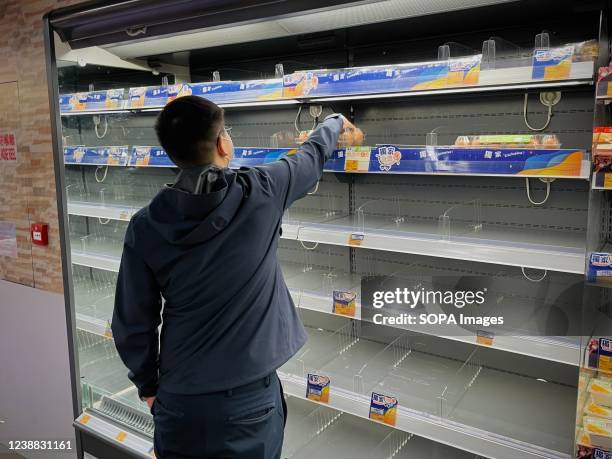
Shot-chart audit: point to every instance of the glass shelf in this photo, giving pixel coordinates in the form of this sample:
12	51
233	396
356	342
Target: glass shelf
503	79
458	394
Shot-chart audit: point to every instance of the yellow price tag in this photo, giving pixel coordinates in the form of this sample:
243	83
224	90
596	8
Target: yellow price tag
108	332
85	419
121	436
355	239
357	159
485	338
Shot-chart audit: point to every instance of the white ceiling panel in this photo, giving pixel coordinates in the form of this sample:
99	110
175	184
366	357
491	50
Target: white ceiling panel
358	14
376	12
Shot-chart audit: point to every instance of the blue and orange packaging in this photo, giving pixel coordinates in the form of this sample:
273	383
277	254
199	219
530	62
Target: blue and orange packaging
586	450
110	99
449	160
156	96
150	157
74	154
599	269
464	71
605	355
317	388
344	303
383	408
99	156
117	155
365	80
552	63
461	160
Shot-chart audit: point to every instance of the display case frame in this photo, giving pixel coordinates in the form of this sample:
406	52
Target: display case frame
90	437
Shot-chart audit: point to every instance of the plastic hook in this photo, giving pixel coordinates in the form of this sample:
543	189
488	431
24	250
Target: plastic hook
548	99
100	180
530	279
97	122
548	181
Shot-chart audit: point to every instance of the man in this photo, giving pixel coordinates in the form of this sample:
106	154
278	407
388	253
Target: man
207	245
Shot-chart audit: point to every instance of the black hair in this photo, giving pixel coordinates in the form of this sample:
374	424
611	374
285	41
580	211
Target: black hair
188	128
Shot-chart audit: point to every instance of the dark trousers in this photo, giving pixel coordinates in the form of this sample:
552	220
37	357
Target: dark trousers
246	422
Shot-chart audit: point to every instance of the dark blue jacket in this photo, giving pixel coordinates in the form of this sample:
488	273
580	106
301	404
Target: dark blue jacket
228	317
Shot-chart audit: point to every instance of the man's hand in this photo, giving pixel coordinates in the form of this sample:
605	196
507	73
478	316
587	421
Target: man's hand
350	136
149	401
346	123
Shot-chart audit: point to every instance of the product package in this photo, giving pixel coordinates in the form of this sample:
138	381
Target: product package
602	149
599	269
150	157
602	135
604	78
111	99
599	357
584	378
317	388
600	391
344	303
599	431
585	450
383	408
592	408
586	50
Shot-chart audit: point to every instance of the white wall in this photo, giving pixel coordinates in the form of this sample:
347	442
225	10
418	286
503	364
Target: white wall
35	394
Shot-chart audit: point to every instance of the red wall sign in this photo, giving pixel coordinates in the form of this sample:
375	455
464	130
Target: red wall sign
8	146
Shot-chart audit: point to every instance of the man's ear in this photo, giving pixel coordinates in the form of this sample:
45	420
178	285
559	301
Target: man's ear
220	147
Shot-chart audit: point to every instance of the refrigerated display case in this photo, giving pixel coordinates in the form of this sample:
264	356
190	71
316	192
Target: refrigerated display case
461	173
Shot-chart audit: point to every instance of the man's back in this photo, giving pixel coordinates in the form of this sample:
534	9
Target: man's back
228	316
207	245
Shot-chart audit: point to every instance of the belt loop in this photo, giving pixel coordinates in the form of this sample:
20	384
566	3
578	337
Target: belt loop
267	381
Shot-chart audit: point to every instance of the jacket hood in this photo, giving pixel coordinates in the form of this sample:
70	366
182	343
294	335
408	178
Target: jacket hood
184	218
